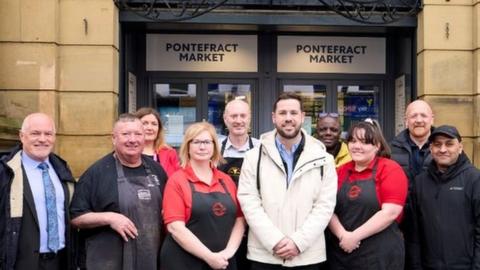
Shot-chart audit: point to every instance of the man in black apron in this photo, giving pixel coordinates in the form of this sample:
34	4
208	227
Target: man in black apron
237	119
118	204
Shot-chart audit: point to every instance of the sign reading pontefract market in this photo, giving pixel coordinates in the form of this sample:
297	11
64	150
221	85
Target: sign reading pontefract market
331	54
217	53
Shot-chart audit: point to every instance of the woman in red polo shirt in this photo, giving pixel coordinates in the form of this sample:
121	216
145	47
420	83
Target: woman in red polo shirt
371	194
155	145
200	208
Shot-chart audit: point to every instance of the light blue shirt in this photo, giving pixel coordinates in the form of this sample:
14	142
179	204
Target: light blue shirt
287	156
34	175
232	152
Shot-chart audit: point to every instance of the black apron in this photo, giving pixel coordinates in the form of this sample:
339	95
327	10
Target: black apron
139	200
356	203
212	219
233	165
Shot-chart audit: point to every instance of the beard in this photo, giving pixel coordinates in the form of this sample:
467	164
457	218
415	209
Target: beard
286	135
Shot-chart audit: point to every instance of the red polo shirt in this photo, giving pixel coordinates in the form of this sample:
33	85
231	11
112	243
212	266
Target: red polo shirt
391	182
177	199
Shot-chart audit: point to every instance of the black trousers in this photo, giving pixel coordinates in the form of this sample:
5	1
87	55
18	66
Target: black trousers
53	262
266	266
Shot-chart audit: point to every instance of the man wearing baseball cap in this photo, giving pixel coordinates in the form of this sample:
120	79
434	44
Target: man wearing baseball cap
446	207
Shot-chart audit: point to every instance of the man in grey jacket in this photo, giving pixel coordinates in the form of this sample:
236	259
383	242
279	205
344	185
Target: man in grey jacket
287	192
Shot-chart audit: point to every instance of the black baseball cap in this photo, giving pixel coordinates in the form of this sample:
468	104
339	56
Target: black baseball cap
446	130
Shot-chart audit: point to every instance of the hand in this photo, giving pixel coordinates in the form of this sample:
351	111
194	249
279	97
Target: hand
217	260
228	254
122	225
349	242
286	249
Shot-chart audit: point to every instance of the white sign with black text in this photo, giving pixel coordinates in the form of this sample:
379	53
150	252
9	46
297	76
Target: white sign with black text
304	54
216	53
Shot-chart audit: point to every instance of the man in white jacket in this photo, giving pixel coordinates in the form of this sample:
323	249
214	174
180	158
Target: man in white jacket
287	192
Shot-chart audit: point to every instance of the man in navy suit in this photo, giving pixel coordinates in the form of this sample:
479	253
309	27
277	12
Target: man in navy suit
35	190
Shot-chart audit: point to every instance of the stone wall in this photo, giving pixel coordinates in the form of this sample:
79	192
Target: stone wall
448	73
61	57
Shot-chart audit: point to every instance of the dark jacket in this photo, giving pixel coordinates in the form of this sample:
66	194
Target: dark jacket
446	214
402	154
19	235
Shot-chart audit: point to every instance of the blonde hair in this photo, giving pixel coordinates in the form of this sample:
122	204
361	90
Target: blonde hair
160	139
193	131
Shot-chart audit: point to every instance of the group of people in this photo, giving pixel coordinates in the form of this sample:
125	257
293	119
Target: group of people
285	201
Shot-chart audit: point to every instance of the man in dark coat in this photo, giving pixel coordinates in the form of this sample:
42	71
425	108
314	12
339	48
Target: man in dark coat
410	147
35	190
445	204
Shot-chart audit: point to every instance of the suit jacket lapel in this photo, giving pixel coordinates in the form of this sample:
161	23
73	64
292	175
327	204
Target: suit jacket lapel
28	196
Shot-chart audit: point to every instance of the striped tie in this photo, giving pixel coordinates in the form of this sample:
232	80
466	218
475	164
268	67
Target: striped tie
51	205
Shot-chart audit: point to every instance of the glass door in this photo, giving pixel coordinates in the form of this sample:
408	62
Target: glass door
352	100
219	93
315	99
177	105
356	101
182	102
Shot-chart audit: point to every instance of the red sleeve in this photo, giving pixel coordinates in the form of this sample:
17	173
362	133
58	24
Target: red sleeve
169	160
393	184
176	206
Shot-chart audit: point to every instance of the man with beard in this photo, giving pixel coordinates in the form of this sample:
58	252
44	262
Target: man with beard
117	203
328	132
410	148
445	204
287	191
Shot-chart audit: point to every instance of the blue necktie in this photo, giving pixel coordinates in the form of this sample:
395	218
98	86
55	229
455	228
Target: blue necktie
51	205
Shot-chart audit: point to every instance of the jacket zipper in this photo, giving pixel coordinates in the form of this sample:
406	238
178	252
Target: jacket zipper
303	165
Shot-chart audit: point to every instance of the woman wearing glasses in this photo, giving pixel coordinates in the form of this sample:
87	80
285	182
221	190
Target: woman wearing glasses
200	208
155	145
371	194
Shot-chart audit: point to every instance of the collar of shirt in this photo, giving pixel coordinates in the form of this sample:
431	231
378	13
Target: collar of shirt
30	163
244	148
281	148
369	169
414	146
192	177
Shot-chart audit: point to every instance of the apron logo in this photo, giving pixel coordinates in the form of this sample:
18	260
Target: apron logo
219	209
234	171
144	195
354	192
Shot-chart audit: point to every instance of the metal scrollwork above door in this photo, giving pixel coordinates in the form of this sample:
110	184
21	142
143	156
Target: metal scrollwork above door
374	11
167	10
378	12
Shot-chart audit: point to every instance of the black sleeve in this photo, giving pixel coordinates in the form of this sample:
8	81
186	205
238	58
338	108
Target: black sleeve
476	217
81	200
412	230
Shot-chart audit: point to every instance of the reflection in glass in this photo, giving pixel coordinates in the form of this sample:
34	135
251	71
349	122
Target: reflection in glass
218	96
176	103
314	102
357	102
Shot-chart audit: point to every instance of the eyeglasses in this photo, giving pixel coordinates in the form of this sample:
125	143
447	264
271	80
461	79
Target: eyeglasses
200	142
330	114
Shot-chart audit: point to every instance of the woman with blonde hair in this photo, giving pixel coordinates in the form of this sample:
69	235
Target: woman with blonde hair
155	145
200	207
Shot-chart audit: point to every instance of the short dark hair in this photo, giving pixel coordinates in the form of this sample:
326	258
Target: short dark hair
373	136
289	95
